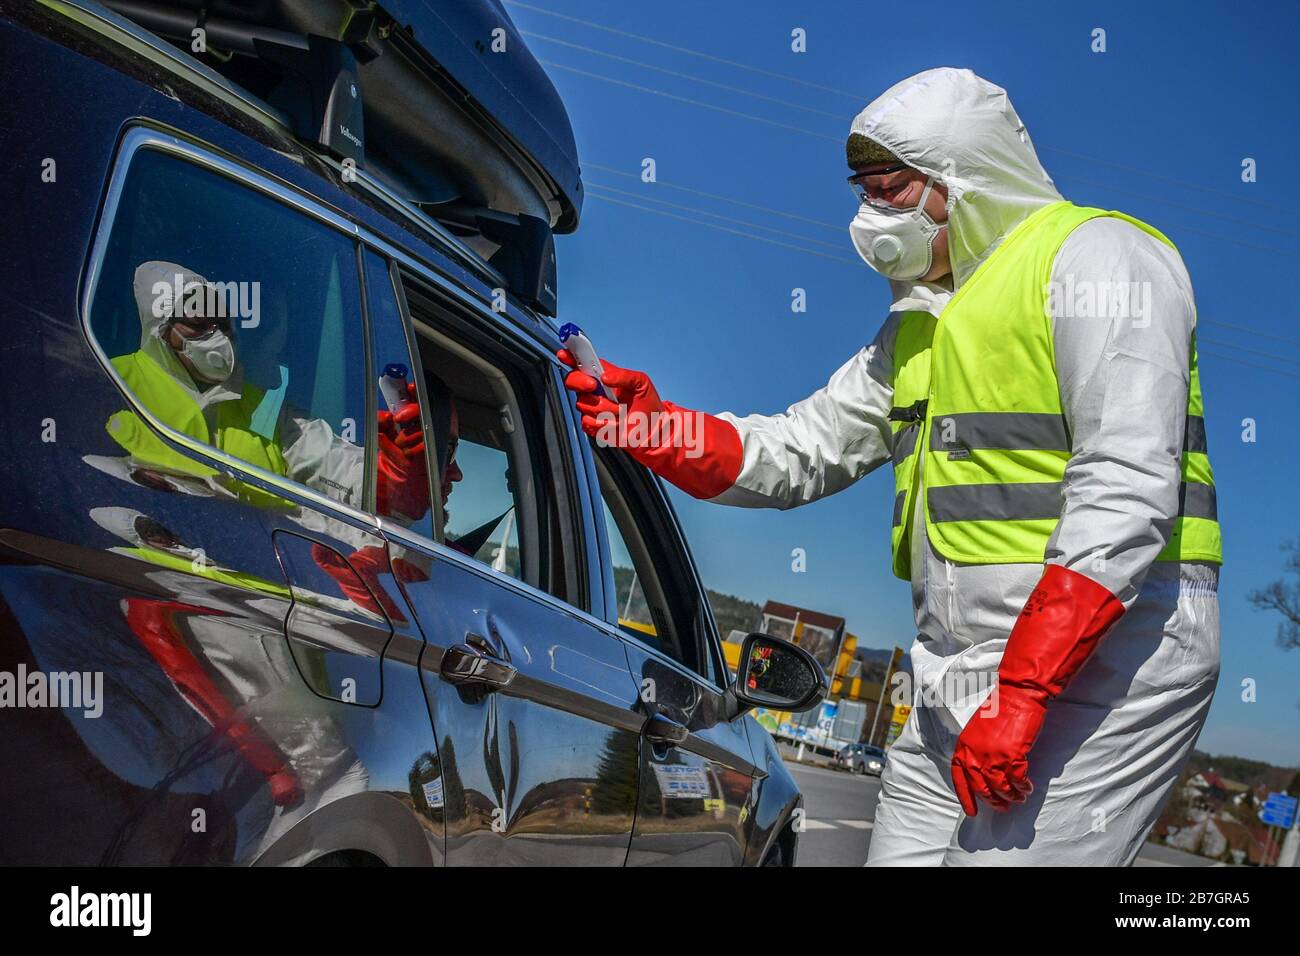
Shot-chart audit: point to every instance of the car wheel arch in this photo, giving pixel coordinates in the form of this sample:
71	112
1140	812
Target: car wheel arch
361	824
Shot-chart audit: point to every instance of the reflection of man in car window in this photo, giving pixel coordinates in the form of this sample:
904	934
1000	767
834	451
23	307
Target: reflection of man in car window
444	417
187	372
403	483
445	420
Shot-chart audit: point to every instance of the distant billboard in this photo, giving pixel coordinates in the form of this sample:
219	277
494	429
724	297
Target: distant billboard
822	643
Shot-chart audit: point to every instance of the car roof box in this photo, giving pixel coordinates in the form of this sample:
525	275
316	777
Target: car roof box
455	112
441	100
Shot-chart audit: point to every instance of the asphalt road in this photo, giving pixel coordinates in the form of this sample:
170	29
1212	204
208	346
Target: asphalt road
840	808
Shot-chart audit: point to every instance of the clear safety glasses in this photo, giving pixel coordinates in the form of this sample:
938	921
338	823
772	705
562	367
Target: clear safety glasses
864	184
197	329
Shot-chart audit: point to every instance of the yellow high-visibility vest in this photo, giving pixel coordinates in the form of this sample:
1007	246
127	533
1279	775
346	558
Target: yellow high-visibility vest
976	392
170	402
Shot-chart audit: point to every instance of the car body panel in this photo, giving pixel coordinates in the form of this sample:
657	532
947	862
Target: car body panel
227	734
543	769
697	797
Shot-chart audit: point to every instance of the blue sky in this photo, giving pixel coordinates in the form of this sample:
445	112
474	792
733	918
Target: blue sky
1156	126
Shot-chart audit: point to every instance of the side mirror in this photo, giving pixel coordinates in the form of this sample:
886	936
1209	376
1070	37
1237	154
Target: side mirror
777	674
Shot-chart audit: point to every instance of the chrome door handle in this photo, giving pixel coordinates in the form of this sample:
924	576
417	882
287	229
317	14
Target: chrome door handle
474	663
664	730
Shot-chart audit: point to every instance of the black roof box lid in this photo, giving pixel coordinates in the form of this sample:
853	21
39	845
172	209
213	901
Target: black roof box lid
510	86
457	110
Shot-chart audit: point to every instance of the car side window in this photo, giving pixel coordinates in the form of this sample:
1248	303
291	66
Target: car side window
653	605
236	321
401	460
486	420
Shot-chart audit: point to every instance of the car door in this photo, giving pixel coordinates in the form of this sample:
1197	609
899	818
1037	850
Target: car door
537	714
699	783
219	532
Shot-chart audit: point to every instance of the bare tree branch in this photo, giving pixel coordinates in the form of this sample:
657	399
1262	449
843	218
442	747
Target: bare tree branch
1283	596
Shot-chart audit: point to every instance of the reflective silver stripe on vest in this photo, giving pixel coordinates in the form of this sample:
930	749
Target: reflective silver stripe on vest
898	508
1021	431
1027	501
1021	501
1018	431
905	441
1196	500
1194	436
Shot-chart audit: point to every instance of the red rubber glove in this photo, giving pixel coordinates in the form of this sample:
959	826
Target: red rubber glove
358	577
154	623
700	454
1062	622
402	490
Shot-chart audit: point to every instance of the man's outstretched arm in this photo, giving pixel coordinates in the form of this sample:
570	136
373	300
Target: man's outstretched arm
816	447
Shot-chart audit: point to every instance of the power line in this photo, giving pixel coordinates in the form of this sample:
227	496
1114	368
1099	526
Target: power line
685	76
1136	170
1237	242
689	52
802	238
1243	328
711	225
1262	368
735	202
1178	205
685	99
1201	352
823	135
841	227
1139	171
713	215
1268	355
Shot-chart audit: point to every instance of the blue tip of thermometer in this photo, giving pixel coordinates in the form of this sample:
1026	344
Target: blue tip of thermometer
584	353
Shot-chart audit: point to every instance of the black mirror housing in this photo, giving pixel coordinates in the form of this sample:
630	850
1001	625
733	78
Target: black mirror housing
777	674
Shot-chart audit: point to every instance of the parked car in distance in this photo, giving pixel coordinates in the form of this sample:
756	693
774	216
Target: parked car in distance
861	758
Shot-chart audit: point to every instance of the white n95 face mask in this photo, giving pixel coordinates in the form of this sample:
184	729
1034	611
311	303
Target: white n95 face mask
897	243
213	356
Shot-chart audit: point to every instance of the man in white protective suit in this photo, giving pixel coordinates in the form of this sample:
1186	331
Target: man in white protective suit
1035	386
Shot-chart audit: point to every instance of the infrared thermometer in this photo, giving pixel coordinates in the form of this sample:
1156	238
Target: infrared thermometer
584	353
392	385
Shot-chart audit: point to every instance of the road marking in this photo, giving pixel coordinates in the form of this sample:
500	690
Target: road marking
827	771
836	824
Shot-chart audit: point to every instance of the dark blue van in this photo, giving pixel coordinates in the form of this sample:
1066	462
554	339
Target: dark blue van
304	558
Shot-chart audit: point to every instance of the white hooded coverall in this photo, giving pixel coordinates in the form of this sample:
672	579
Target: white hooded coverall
1114	743
315	455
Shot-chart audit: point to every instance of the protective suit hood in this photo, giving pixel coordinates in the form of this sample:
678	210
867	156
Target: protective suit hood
120	522
918	296
128	525
962	130
147	275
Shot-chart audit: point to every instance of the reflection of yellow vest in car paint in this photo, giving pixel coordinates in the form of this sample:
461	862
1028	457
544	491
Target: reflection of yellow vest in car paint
236	579
976	391
313	658
168	401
